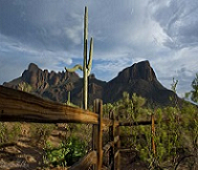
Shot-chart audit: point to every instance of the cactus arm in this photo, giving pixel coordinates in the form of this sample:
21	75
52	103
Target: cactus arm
68	97
90	57
78	66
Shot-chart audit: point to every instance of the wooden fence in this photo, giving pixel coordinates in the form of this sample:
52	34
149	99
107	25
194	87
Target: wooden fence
18	106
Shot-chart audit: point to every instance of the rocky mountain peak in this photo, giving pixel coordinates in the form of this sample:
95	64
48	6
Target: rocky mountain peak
32	67
140	79
143	70
38	78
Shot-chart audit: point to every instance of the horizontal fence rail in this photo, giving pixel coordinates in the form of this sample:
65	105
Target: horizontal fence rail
16	106
20	106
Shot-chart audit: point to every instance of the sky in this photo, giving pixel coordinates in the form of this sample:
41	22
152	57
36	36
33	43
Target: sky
49	33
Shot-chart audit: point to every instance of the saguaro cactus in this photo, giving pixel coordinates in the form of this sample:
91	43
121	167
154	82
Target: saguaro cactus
86	66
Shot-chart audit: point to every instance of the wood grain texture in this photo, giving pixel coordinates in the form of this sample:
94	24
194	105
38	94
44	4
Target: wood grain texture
118	158
153	134
20	106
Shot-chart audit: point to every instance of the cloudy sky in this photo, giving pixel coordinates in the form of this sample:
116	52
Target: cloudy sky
50	34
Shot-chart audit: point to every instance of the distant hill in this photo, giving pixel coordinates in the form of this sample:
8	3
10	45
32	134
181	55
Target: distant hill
138	78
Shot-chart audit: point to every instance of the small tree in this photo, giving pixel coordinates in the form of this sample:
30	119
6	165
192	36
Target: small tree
193	94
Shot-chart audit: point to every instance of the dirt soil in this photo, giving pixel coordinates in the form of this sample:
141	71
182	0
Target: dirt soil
26	153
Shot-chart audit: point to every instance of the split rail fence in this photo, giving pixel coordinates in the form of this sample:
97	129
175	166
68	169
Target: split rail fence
18	106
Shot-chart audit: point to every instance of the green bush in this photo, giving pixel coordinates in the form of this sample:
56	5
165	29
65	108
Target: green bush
67	154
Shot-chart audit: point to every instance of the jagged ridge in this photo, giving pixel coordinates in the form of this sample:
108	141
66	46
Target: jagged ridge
138	78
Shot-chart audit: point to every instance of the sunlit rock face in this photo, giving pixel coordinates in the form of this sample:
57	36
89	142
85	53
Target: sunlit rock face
36	77
32	75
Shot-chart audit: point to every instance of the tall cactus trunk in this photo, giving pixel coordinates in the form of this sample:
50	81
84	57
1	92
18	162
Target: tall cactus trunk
86	66
85	76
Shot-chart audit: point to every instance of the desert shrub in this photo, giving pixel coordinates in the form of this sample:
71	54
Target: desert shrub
175	131
9	132
66	154
2	133
23	86
40	132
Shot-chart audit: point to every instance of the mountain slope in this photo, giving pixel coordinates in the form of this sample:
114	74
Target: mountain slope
140	79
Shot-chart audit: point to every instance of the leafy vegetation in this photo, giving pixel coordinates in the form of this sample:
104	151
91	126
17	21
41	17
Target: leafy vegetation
66	154
40	133
175	136
193	94
23	86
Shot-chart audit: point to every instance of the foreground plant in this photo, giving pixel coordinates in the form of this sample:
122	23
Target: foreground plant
66	154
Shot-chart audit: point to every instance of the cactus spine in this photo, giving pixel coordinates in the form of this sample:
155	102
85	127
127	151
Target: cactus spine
86	66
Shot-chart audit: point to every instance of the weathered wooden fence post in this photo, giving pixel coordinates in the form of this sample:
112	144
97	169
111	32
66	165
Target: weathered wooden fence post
118	144
153	135
97	134
114	139
111	138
